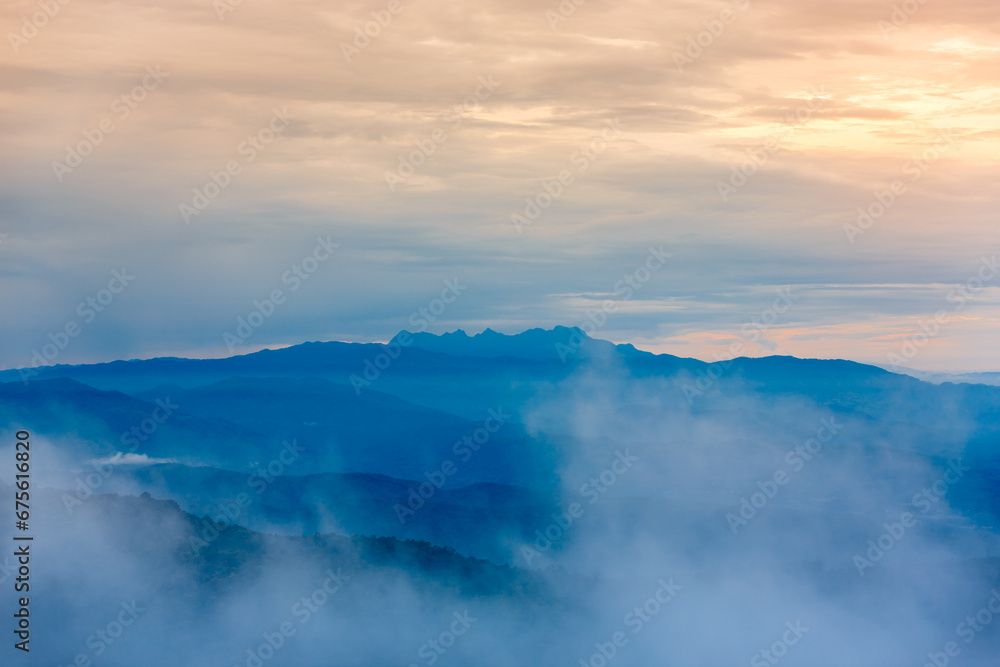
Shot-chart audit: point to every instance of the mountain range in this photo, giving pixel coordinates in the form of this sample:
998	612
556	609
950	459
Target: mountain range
540	485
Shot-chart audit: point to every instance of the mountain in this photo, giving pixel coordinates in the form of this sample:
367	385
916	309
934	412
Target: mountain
152	585
466	376
246	423
479	519
345	431
407	418
992	378
760	492
534	344
91	423
149	584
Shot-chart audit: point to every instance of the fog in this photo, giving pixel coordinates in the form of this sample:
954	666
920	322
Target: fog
653	557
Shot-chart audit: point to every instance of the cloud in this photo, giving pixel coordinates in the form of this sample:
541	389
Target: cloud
129	459
685	131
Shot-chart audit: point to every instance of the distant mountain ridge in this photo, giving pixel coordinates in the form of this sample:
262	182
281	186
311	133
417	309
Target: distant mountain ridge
465	376
559	346
533	344
424	402
476	519
277	469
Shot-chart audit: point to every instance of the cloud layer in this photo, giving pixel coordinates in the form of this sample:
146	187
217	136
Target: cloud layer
750	134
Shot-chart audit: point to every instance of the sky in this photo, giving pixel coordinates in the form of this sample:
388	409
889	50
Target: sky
706	179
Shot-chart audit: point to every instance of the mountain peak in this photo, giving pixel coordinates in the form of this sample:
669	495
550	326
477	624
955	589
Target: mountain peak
558	343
